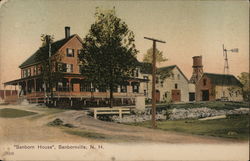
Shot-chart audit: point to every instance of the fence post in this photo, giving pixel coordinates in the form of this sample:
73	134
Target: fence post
95	114
120	113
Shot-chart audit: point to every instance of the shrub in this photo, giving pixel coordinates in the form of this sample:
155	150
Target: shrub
56	122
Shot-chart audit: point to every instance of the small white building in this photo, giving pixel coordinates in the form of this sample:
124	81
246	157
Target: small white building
173	88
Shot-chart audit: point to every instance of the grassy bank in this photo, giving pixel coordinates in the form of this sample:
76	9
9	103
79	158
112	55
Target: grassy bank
234	127
13	113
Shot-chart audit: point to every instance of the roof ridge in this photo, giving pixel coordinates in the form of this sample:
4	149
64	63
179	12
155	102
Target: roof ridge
55	45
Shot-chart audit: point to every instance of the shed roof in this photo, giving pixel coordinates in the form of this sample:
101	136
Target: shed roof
223	79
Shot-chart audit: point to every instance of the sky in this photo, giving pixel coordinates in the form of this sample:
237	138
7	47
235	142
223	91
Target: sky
190	28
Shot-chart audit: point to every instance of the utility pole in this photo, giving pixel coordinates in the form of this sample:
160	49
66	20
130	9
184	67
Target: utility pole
154	80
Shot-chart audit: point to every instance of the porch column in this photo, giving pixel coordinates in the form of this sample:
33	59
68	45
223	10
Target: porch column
69	84
11	90
4	92
26	87
35	85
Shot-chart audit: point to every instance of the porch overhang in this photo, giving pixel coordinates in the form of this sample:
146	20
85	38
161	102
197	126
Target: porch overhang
15	82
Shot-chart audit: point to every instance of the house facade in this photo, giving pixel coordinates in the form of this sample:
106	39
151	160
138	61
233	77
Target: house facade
174	88
72	89
211	86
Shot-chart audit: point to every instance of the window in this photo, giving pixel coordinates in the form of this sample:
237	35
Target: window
123	88
204	82
176	86
80	68
135	87
78	51
157	80
61	67
136	73
145	92
178	76
70	52
145	77
69	68
35	70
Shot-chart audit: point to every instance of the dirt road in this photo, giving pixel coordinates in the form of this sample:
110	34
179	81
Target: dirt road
34	128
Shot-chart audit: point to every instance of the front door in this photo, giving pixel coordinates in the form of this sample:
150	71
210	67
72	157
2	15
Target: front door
176	95
205	95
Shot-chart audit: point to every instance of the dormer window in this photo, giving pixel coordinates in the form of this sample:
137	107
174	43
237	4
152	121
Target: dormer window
70	52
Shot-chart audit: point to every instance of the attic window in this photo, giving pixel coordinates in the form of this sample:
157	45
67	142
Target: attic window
178	76
70	52
204	82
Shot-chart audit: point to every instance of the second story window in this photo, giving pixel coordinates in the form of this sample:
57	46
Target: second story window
61	67
35	70
69	68
70	52
176	86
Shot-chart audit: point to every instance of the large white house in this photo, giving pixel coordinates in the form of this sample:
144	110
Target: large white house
174	88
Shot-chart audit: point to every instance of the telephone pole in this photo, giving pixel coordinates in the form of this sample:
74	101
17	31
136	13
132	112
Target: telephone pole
154	79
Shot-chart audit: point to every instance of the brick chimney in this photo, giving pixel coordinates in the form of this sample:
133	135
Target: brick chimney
197	69
67	32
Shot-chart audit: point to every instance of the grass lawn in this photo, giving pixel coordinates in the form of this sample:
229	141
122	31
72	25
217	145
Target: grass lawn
13	113
235	127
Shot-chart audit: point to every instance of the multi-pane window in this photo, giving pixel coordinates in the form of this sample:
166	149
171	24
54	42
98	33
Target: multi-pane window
78	51
70	52
61	67
69	68
26	73
135	87
123	88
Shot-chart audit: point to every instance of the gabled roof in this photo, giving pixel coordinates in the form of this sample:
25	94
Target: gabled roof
55	46
146	68
223	79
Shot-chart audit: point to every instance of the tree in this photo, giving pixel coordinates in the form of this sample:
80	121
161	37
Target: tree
148	57
109	55
244	79
48	63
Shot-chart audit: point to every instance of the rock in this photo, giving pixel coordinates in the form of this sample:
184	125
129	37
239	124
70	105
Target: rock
232	133
24	102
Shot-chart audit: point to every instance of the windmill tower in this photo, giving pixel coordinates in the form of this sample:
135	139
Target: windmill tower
226	67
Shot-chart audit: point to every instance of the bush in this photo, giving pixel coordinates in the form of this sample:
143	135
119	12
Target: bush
56	122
